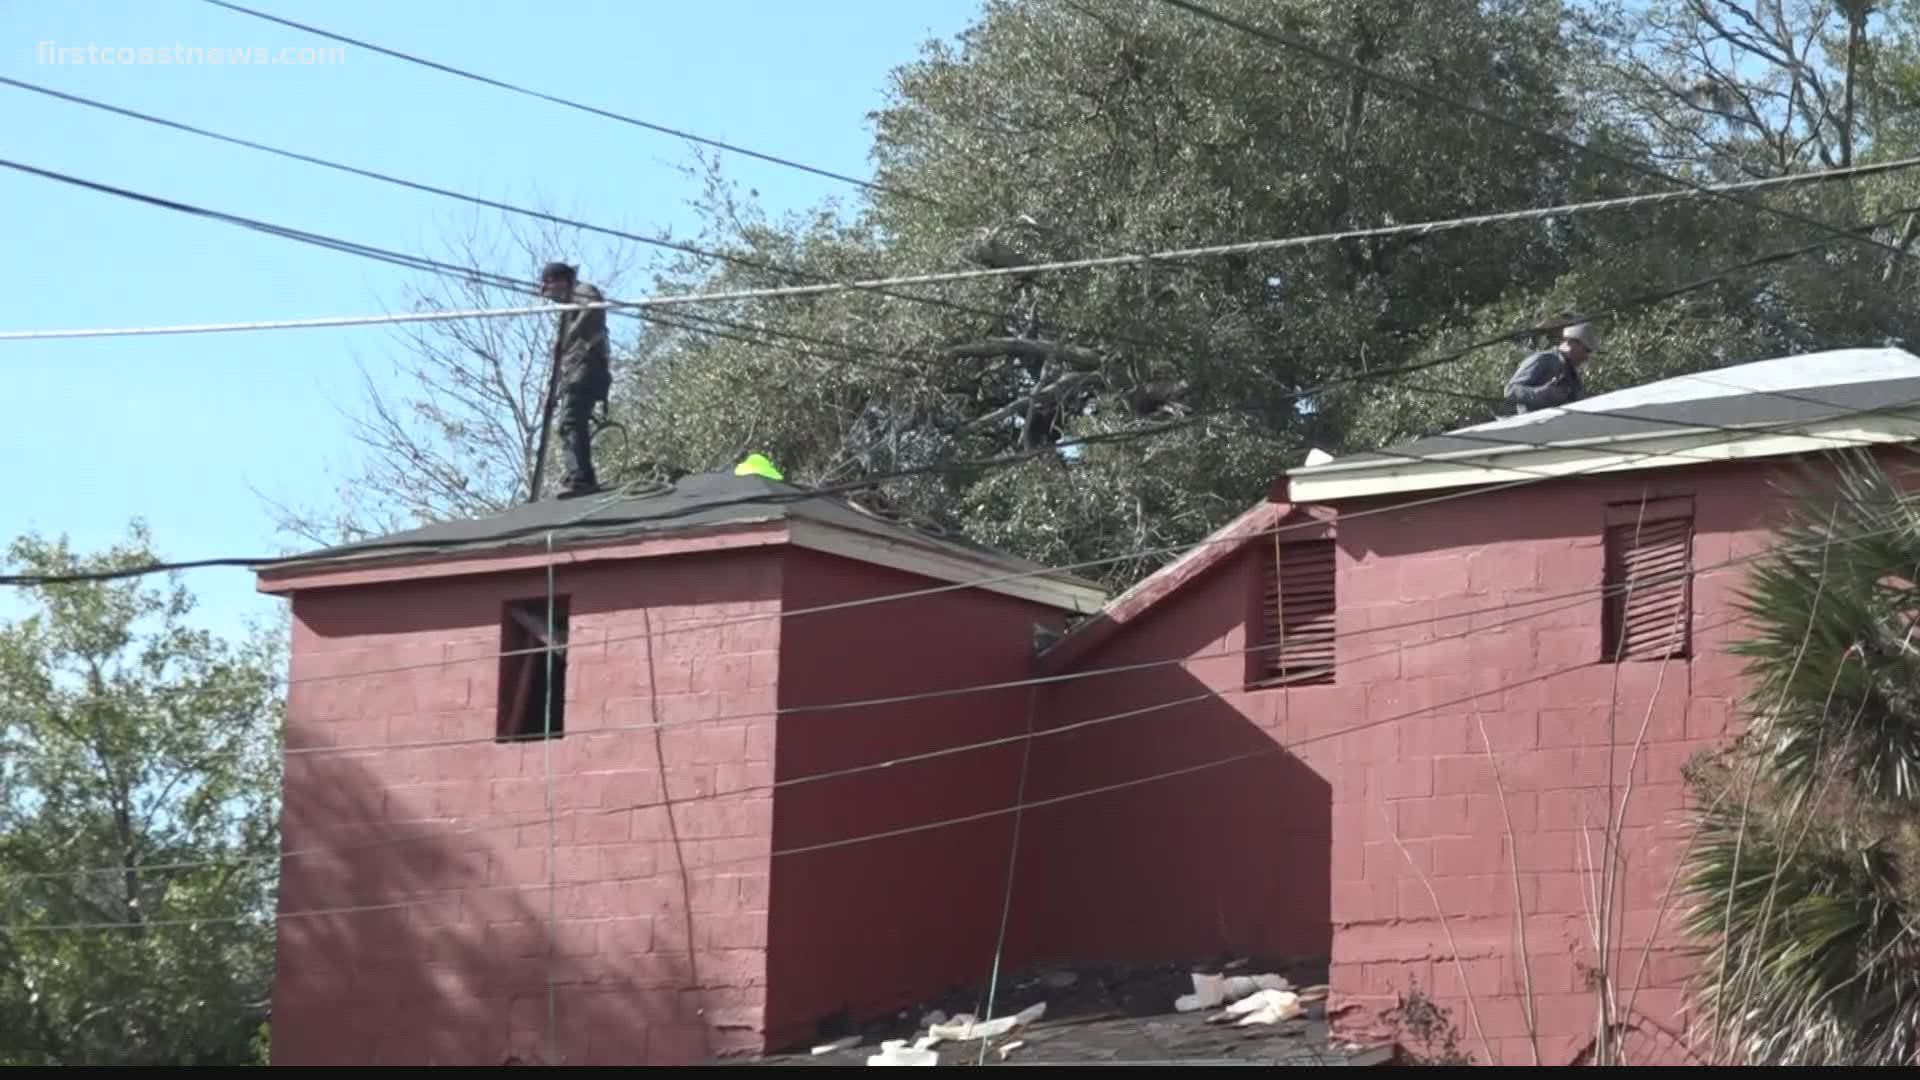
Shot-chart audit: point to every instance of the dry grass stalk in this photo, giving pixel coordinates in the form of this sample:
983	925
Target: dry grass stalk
1446	927
1513	866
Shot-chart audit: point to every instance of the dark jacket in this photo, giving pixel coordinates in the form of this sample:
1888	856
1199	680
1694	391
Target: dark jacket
583	348
1543	381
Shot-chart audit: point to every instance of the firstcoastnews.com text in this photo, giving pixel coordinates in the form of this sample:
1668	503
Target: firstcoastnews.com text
49	52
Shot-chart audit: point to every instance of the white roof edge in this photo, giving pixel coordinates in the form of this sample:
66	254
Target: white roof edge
953	567
1329	483
1781	374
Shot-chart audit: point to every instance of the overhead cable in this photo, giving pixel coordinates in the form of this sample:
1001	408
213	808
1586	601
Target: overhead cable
1725	191
595	110
1561	601
495	204
1272	748
257	563
1096	262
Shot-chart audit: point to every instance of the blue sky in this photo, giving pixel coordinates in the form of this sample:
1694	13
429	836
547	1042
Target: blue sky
182	430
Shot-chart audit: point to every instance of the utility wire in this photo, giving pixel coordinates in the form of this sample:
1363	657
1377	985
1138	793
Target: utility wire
493	204
1274	746
1096	262
1419	90
973	465
419	262
1561	601
468	273
1572	598
608	114
453	270
1578	596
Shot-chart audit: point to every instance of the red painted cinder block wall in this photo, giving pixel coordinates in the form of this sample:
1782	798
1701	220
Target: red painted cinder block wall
414	896
1477	612
1173	868
870	924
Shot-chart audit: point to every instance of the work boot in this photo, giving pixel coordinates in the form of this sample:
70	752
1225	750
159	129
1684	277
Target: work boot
574	491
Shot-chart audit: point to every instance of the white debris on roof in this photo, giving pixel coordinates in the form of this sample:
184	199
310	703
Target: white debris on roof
1808	371
965	1028
897	1052
1266	1007
1212	991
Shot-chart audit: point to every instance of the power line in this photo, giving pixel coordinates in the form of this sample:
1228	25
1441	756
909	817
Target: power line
778	498
1568	603
595	110
1274	747
420	262
1059	266
1296	44
494	204
1036	680
464	273
1572	598
1569	599
1562	601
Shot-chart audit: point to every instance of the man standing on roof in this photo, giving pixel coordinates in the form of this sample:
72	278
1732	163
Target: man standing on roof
1552	378
581	366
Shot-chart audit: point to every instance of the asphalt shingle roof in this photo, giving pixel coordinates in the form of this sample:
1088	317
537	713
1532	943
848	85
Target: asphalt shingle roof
702	501
1733	410
1784	391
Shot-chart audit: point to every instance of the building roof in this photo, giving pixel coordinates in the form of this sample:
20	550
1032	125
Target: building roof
1107	1015
1793	404
703	504
1789	405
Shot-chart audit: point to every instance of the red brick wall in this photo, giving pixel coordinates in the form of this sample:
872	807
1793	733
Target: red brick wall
1392	757
1421	816
660	921
1229	857
881	924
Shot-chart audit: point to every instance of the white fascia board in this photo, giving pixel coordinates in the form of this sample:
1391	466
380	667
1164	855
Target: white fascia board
1591	457
942	566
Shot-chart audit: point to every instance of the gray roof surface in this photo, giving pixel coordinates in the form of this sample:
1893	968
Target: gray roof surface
1111	1015
697	502
1763	408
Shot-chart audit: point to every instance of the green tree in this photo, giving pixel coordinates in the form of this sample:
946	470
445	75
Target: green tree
1057	129
1803	881
138	807
1054	129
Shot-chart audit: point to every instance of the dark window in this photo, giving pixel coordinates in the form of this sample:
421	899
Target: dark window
1649	585
531	664
1294	643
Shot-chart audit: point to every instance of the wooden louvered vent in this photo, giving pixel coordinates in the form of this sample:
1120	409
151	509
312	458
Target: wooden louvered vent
1649	590
1297	615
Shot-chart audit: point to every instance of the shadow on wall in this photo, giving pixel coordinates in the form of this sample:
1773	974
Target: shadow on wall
437	963
462	975
1184	858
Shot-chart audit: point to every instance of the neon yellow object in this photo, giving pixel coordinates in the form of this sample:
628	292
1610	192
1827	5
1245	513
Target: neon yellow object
757	465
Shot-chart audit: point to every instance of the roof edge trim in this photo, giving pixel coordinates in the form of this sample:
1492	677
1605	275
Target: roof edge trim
1041	586
532	554
1592	457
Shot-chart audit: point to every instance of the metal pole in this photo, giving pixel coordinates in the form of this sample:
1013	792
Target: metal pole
546	424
